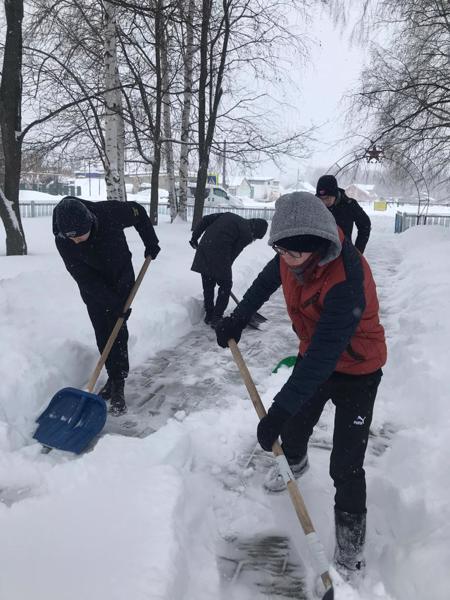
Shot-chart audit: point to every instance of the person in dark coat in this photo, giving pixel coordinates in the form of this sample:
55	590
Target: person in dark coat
223	237
332	302
345	210
90	239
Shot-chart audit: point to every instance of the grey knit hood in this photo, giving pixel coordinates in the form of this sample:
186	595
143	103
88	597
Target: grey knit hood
301	213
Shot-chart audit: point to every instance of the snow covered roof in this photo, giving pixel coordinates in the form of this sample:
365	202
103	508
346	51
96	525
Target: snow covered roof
261	180
301	186
364	187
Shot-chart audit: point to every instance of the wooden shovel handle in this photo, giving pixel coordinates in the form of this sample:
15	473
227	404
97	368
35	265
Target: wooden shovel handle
112	338
294	492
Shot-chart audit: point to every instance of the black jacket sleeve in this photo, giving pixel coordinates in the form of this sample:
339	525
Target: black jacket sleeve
266	283
343	307
203	224
363	225
132	214
244	238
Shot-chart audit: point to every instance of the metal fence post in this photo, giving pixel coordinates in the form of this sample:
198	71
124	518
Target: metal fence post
33	209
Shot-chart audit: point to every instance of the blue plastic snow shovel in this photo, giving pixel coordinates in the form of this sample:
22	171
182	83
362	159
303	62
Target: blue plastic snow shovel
74	417
318	557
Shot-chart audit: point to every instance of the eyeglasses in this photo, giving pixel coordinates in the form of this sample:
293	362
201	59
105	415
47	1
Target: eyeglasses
283	251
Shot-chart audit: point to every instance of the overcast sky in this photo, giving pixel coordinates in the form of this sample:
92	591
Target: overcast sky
331	72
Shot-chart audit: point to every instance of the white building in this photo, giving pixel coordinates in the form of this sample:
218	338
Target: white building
361	192
263	189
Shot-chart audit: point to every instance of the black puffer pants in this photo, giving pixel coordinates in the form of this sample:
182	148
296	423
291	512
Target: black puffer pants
103	322
354	397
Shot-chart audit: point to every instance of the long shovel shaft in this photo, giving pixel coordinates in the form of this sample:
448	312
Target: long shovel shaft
112	338
317	551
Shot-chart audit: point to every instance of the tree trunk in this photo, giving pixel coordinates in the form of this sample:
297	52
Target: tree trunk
168	146
157	130
114	126
10	128
203	150
186	113
207	119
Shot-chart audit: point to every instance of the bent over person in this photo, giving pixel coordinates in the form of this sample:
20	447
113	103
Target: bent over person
224	236
90	239
347	211
332	302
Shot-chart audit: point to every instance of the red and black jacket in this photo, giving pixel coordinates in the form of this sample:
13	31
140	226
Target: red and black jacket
335	315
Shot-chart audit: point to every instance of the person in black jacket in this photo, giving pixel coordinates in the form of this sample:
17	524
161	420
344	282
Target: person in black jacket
224	236
345	210
90	239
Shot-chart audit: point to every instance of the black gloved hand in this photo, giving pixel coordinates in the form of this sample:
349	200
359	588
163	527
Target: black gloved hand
227	329
193	243
152	251
270	426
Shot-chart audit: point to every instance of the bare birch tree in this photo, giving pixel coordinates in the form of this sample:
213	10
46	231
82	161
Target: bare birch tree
114	125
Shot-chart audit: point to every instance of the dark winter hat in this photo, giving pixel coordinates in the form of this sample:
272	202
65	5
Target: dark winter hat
303	243
301	214
327	186
73	218
258	227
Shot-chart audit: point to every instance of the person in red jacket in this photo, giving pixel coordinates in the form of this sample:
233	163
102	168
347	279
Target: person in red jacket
332	302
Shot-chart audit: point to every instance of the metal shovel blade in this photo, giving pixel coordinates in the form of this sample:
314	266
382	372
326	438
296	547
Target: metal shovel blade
253	323
259	317
71	420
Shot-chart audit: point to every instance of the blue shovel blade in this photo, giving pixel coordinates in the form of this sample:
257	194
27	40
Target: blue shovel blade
71	420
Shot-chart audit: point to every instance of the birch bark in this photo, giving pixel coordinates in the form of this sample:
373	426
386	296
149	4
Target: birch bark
114	126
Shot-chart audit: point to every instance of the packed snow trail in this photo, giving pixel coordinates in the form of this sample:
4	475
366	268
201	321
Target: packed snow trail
196	375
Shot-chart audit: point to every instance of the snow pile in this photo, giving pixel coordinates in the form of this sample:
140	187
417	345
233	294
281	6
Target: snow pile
141	518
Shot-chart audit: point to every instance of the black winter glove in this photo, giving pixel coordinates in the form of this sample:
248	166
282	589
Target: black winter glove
193	243
227	329
152	251
270	426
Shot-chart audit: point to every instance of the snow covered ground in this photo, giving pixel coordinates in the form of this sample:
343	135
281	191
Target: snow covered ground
168	515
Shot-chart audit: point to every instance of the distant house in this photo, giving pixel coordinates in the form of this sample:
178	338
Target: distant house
264	189
361	192
233	184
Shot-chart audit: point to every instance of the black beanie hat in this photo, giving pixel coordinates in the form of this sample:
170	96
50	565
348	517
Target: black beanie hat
303	243
259	228
327	186
73	218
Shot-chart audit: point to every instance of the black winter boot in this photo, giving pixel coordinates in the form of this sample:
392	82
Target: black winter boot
118	406
350	539
208	317
105	391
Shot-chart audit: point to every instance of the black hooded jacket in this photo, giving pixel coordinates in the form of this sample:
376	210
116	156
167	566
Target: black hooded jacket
225	235
347	212
102	265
